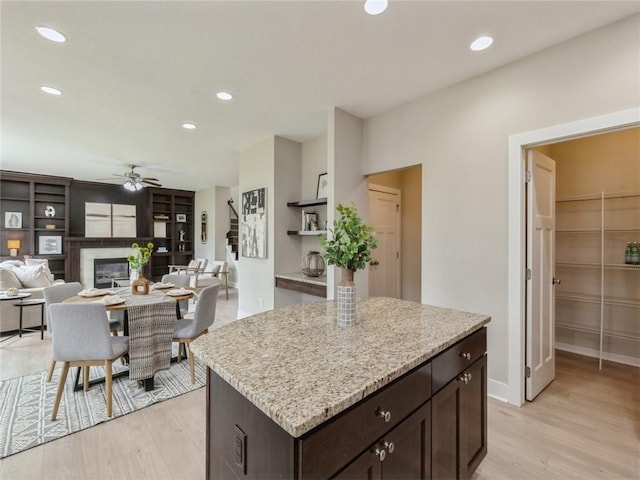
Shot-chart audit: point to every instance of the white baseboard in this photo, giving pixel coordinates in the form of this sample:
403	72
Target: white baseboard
589	352
242	315
498	390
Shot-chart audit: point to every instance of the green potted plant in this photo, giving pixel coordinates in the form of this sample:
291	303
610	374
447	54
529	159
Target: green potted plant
139	258
349	249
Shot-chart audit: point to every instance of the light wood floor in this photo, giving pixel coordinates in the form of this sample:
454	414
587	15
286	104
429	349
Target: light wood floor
585	425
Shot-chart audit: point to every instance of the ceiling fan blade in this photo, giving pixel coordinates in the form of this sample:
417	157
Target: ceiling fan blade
148	182
144	179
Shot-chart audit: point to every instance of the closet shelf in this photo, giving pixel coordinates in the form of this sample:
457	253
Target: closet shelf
598	230
596	331
595	299
599	196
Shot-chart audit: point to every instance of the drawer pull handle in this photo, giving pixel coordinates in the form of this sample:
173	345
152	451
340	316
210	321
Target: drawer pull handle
465	355
389	446
384	414
465	378
380	453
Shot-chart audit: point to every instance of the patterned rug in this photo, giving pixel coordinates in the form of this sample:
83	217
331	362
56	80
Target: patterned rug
26	403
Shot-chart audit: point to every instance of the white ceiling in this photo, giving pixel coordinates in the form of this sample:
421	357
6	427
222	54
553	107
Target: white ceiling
133	72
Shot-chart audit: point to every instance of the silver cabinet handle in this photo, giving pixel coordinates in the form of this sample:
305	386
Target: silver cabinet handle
465	355
556	281
465	378
384	414
380	453
389	446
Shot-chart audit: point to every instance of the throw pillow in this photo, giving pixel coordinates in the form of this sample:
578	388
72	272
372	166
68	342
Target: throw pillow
193	265
8	279
34	276
11	263
37	261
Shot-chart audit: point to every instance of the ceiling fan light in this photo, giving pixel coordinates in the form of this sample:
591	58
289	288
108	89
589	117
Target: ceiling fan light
130	186
138	186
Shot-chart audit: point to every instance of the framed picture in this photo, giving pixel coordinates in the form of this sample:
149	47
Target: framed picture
323	179
50	245
254	223
12	219
181	217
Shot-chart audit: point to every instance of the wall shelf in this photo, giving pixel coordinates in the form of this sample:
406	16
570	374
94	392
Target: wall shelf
308	203
307	233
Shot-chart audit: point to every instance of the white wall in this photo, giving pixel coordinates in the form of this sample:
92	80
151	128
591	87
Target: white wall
256	169
205	200
287	159
314	162
346	182
460	134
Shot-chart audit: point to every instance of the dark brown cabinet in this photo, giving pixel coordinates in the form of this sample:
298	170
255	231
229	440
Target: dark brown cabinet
34	210
401	431
172	225
459	429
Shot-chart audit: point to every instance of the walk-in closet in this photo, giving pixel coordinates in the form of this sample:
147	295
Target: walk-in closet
597	303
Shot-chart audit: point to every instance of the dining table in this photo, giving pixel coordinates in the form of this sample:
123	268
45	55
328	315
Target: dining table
148	320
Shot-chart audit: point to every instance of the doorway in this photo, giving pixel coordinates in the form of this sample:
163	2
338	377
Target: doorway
517	227
407	181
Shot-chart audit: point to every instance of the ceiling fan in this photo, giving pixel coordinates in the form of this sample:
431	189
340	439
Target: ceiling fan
135	182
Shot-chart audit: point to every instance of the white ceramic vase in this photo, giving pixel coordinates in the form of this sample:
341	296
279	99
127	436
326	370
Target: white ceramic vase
346	300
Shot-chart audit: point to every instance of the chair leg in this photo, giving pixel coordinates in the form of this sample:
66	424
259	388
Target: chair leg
85	378
61	382
192	364
108	383
52	365
179	352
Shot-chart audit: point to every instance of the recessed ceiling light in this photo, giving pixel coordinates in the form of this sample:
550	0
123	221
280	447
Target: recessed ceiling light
51	34
374	7
50	90
188	126
481	43
224	95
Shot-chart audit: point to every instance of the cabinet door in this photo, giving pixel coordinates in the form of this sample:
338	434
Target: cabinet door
445	431
473	418
411	456
366	467
459	434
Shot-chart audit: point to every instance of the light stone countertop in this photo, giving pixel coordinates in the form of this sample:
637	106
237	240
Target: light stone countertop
301	277
300	368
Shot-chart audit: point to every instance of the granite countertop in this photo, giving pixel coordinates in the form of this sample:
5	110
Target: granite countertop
300	368
301	277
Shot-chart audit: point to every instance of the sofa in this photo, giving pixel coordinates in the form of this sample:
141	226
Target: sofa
28	276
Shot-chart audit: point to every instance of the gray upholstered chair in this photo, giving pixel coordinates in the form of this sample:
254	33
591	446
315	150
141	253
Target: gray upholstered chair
187	330
179	281
59	293
82	340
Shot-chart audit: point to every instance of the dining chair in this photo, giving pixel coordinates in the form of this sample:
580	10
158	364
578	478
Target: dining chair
59	293
179	281
82	339
187	330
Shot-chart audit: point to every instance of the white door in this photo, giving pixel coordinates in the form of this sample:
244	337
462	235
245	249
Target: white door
541	207
384	217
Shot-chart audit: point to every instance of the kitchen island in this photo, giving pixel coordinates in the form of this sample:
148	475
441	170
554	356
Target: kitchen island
290	394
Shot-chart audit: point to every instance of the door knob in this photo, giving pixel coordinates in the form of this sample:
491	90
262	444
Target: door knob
556	281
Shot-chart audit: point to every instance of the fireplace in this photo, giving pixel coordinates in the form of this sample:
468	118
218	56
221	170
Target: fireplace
107	269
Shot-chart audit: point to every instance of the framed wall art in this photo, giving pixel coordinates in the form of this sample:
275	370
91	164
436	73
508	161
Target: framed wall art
181	217
254	223
323	180
12	219
50	245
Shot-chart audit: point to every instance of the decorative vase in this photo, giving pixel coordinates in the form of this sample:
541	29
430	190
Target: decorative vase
313	264
134	274
347	299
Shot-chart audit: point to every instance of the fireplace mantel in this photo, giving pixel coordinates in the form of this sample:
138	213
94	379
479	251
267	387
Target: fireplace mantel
75	244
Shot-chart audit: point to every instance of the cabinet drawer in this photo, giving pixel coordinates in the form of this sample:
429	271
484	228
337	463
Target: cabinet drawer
456	358
324	451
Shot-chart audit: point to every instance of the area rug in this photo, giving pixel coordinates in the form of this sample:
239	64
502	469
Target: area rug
26	403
